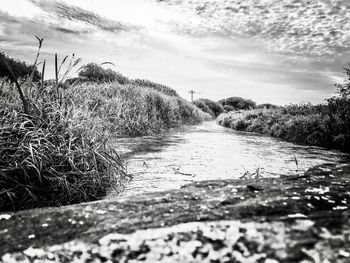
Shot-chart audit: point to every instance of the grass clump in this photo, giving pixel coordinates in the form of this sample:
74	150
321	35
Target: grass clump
51	150
326	125
54	155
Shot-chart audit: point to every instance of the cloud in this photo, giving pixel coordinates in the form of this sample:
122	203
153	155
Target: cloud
70	31
77	14
220	48
312	28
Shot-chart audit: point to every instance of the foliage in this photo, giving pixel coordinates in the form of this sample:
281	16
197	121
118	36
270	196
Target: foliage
238	103
214	106
267	106
306	124
20	69
96	73
228	108
326	125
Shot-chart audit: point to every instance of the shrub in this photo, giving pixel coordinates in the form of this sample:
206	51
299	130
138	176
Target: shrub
228	108
96	73
214	106
19	68
203	106
326	124
238	103
266	106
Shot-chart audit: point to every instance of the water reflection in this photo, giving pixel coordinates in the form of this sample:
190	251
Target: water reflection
209	151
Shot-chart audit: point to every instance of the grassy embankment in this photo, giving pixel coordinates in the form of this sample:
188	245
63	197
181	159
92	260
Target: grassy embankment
326	125
54	135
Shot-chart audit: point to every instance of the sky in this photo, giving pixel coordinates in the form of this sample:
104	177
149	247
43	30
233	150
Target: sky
271	51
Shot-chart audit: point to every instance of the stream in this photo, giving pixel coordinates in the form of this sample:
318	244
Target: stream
209	152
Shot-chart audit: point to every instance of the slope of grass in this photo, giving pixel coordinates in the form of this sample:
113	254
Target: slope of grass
59	153
132	110
305	124
55	135
326	125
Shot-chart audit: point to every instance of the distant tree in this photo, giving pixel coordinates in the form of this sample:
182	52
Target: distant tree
19	68
238	103
344	88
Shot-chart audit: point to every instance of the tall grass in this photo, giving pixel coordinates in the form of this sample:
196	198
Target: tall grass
131	110
55	135
51	154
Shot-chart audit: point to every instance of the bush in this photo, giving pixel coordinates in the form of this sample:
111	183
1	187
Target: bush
228	108
238	103
211	107
203	106
96	73
214	106
266	106
326	124
19	68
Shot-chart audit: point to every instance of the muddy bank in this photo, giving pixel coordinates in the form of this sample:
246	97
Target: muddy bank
285	219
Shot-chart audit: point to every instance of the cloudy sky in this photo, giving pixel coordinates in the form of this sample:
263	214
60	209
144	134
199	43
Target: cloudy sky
281	52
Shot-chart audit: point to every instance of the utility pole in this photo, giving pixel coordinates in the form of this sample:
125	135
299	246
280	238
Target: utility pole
192	92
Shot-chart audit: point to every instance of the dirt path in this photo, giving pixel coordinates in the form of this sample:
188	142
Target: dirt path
288	219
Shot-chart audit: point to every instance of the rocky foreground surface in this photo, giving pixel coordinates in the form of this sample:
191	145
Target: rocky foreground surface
288	219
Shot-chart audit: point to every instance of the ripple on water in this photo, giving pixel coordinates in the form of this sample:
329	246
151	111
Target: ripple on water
208	152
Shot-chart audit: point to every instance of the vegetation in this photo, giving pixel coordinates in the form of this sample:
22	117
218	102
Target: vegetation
55	137
19	68
93	72
131	110
211	107
266	106
96	73
238	103
158	87
326	125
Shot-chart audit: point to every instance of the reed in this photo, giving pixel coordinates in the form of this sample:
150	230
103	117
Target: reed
55	136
